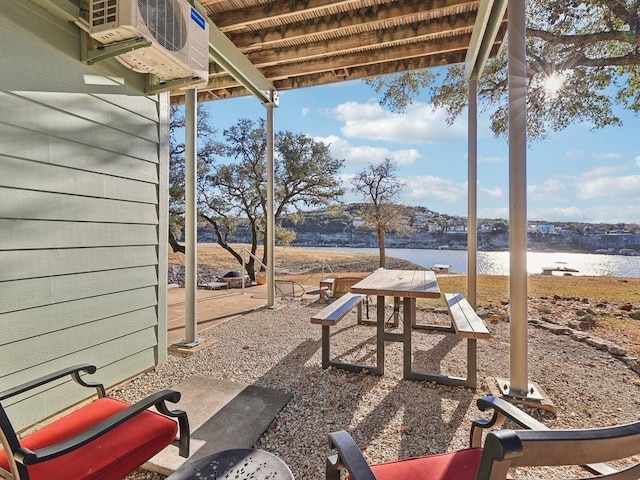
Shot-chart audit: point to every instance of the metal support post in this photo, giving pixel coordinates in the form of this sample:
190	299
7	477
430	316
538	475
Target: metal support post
270	243
472	194
190	230
518	386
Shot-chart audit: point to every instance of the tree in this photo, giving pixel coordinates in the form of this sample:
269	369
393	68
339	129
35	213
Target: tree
583	57
379	185
207	147
236	192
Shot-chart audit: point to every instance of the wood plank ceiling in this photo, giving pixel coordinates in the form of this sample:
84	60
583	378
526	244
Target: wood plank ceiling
315	42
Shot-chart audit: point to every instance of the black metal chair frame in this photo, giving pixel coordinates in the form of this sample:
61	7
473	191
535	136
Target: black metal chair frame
19	458
534	445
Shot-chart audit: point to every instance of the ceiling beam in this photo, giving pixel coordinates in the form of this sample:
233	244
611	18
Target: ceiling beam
328	62
247	18
335	76
225	54
423	33
340	25
490	19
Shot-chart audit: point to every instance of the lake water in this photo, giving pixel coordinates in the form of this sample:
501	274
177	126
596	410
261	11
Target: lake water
497	263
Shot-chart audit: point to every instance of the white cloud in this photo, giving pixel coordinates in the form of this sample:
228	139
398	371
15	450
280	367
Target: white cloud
623	187
492	193
420	124
557	214
424	189
591	213
358	156
494	212
547	190
598	172
573	154
637	159
305	111
606	155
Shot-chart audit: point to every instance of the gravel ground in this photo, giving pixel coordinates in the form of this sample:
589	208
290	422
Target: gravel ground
389	417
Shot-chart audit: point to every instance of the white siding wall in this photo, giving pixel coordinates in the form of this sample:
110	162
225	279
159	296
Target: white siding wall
82	182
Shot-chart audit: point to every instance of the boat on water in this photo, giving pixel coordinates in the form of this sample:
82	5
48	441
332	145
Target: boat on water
559	268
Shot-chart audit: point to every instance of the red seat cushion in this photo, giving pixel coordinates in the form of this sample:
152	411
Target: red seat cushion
461	465
111	456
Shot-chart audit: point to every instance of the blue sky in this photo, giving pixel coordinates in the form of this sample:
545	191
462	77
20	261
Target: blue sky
574	175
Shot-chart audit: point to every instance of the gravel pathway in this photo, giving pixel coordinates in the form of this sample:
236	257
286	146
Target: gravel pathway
389	417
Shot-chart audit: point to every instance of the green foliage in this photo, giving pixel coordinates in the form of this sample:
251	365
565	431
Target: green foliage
592	46
207	148
305	175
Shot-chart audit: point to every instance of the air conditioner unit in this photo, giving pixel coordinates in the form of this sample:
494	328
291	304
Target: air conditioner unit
178	33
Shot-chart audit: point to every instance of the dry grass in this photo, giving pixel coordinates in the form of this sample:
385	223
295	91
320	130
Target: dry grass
306	264
308	267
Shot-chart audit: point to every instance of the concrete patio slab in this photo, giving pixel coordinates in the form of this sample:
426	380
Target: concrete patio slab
213	308
223	415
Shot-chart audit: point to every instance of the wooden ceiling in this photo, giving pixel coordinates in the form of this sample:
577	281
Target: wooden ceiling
301	43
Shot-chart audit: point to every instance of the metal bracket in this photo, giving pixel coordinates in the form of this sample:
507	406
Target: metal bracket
532	393
91	56
154	88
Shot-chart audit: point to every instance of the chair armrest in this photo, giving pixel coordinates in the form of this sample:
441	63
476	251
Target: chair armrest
349	456
74	371
29	457
502	410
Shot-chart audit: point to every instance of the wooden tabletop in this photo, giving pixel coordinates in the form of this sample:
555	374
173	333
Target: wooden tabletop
399	283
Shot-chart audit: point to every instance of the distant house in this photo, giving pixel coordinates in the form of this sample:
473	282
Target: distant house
544	229
83	219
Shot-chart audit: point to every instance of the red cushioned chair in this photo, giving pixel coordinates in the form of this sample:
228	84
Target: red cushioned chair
535	445
104	440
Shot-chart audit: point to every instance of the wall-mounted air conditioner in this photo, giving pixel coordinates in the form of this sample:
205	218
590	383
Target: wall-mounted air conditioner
179	36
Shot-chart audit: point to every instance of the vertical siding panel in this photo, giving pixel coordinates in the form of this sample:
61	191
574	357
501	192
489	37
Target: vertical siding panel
83	211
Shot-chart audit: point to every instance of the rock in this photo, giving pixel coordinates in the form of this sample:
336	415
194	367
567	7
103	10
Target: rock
580	336
616	350
495	318
598	343
635	366
627	307
635	315
556	329
584	322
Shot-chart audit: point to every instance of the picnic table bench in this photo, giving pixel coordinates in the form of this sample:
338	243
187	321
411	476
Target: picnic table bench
466	324
330	316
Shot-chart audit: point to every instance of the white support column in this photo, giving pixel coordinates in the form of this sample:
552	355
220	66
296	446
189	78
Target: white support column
190	229
270	241
472	194
519	385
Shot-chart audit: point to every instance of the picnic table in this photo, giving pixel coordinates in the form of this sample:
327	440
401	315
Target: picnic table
408	285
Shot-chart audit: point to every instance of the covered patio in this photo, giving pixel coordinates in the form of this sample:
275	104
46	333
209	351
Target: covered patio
84	229
260	48
389	417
